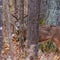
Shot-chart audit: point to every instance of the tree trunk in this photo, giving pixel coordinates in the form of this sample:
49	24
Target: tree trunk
33	27
21	21
52	12
7	32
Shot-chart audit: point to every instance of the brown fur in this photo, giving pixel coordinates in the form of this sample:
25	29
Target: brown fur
50	33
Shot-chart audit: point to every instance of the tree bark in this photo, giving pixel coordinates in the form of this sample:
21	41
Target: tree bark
33	27
7	32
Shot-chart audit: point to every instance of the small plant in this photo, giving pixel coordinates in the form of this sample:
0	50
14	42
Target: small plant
48	47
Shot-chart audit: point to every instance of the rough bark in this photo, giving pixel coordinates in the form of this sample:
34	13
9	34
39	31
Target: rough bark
33	27
49	11
7	32
21	22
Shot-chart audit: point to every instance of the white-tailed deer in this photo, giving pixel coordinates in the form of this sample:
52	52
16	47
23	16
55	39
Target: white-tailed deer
50	33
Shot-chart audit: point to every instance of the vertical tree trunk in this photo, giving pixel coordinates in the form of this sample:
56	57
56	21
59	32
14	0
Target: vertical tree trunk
1	38
33	26
6	24
21	20
5	34
52	12
58	12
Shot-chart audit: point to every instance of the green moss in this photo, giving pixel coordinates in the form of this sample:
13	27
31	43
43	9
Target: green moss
41	21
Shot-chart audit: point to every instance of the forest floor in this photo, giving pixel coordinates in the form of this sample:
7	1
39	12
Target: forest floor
12	51
5	54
